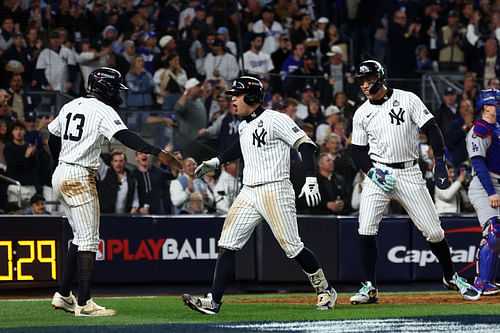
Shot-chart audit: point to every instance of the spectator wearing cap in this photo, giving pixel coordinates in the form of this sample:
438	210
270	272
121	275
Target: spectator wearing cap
32	134
191	113
56	66
339	77
448	110
92	57
223	34
111	33
321	25
37	206
169	82
256	61
487	66
292	63
140	85
220	64
20	102
17	52
149	50
270	30
332	116
6	33
450	41
167	46
21	163
307	74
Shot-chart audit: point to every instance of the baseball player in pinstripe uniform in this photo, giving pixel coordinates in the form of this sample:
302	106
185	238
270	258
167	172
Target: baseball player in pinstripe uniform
267	193
483	145
384	139
76	136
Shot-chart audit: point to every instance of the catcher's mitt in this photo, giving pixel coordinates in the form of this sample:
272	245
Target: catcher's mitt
169	160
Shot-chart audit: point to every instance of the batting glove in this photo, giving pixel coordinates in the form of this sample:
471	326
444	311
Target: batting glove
311	191
382	178
441	174
207	166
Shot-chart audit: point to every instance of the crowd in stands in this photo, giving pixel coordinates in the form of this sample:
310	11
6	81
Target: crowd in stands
178	57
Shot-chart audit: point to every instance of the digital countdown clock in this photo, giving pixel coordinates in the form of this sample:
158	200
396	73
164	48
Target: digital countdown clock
30	251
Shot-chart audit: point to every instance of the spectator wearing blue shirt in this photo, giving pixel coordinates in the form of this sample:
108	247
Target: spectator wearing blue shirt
292	63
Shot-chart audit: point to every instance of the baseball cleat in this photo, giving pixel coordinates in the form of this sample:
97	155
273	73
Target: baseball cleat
460	284
91	309
326	300
204	305
61	302
368	294
487	288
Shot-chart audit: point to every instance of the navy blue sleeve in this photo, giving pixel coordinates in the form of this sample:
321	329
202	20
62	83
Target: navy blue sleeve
361	157
308	152
431	129
232	153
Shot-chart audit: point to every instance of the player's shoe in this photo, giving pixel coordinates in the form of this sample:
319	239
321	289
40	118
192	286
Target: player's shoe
366	295
487	288
204	305
326	300
67	303
91	309
460	284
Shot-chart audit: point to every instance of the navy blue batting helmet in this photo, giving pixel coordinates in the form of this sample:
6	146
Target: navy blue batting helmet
252	87
372	68
106	83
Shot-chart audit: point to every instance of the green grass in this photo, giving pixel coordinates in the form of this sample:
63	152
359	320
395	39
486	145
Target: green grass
170	309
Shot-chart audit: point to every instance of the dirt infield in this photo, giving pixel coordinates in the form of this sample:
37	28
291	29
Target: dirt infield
413	299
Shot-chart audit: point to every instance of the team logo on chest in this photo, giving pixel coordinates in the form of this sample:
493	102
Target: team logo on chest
397	115
259	137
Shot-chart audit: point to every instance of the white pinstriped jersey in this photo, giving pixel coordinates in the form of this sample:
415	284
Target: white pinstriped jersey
82	125
265	144
391	129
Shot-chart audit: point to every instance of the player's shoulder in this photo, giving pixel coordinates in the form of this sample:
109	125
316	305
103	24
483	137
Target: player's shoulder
481	128
402	94
363	110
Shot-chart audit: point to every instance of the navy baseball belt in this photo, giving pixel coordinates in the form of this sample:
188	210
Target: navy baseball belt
400	165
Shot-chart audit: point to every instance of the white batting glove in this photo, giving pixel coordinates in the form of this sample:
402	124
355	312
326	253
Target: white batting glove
207	166
311	191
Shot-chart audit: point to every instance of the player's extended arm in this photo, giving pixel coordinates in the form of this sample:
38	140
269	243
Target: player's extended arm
232	153
380	177
134	141
54	146
431	129
310	189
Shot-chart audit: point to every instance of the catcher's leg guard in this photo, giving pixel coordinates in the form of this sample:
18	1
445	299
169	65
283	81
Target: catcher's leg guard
487	255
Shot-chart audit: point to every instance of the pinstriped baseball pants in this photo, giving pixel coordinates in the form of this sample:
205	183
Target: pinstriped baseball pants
273	202
75	187
411	192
